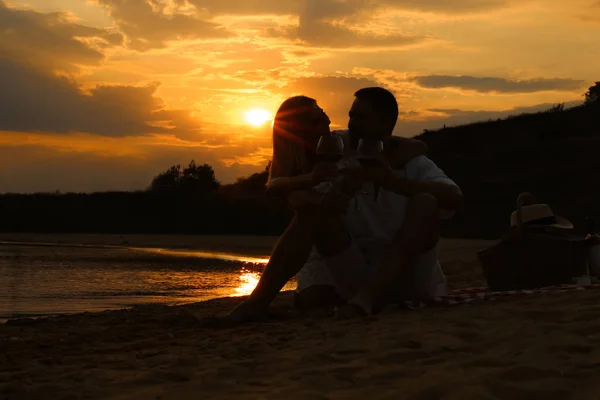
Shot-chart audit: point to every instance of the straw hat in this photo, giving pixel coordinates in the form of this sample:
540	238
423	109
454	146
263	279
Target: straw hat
540	214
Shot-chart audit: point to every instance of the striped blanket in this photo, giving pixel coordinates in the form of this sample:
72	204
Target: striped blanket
461	296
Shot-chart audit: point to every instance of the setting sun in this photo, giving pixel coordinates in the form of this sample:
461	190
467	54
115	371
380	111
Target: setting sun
257	116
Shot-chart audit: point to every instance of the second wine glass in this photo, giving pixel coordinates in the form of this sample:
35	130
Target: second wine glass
330	148
369	151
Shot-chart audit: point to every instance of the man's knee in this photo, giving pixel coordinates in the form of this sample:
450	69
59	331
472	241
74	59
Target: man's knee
331	236
420	230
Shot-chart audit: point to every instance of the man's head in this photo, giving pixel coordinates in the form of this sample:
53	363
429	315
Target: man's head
373	113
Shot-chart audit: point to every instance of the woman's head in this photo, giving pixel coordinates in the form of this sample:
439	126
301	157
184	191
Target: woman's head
300	118
298	124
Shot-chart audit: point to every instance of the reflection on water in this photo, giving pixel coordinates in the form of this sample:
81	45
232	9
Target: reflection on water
248	281
202	254
39	280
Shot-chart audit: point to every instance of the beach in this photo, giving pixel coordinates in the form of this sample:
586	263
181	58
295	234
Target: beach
541	346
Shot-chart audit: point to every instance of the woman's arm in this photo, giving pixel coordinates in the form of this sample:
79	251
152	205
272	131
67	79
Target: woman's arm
286	184
283	185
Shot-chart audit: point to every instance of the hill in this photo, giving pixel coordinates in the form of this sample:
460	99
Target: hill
552	154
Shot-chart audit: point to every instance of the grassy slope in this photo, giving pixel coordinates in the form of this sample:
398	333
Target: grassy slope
554	155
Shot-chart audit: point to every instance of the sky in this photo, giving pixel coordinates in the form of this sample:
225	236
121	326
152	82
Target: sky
105	94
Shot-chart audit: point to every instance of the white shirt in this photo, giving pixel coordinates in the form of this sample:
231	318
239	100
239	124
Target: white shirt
374	221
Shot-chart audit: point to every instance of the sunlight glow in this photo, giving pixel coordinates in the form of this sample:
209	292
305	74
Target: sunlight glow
257	116
202	254
248	281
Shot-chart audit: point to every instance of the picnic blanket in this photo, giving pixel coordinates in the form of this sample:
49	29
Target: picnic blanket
461	296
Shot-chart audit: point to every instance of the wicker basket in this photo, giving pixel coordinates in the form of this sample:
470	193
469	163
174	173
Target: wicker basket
534	257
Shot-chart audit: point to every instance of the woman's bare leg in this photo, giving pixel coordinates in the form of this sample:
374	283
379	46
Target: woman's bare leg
320	228
287	258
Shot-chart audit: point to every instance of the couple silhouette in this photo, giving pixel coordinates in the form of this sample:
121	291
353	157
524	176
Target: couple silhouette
367	208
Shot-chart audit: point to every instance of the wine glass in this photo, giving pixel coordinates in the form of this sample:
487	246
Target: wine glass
330	149
369	151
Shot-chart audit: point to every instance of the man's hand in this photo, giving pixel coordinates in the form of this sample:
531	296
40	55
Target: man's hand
353	180
335	202
380	175
323	172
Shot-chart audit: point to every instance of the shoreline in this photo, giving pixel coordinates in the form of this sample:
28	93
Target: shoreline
243	245
233	248
237	244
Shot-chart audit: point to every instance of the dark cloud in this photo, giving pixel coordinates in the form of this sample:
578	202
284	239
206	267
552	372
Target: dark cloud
34	100
592	13
446	6
147	25
322	23
246	7
327	35
500	85
52	39
329	23
340	8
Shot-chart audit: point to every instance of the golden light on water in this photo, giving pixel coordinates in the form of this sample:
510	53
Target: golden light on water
203	254
248	281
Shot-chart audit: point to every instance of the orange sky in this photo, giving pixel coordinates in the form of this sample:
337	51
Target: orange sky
105	94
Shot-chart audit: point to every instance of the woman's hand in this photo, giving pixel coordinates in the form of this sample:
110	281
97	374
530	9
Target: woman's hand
308	200
323	172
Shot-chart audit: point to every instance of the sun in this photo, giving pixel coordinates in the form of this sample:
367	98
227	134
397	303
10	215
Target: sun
257	116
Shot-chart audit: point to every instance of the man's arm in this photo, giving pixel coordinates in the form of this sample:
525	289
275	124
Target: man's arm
422	176
449	196
402	150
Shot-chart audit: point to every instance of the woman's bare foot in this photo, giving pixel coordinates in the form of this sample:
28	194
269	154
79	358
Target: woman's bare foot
246	312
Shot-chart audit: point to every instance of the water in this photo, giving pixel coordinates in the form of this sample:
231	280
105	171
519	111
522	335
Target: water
38	280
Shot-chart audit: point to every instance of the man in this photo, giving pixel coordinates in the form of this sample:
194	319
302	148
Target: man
379	247
390	251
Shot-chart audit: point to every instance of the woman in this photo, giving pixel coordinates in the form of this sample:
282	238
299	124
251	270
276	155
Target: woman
298	125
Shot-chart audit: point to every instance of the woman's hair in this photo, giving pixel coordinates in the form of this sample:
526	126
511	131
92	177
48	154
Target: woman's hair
289	154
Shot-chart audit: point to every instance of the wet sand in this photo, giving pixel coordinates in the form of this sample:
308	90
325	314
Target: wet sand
530	347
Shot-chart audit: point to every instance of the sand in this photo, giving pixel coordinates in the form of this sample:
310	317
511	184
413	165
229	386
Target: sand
530	347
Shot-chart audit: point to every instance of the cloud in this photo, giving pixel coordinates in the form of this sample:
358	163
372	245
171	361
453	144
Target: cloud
34	100
499	85
592	13
328	35
52	40
447	7
336	24
149	24
337	8
246	7
320	23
